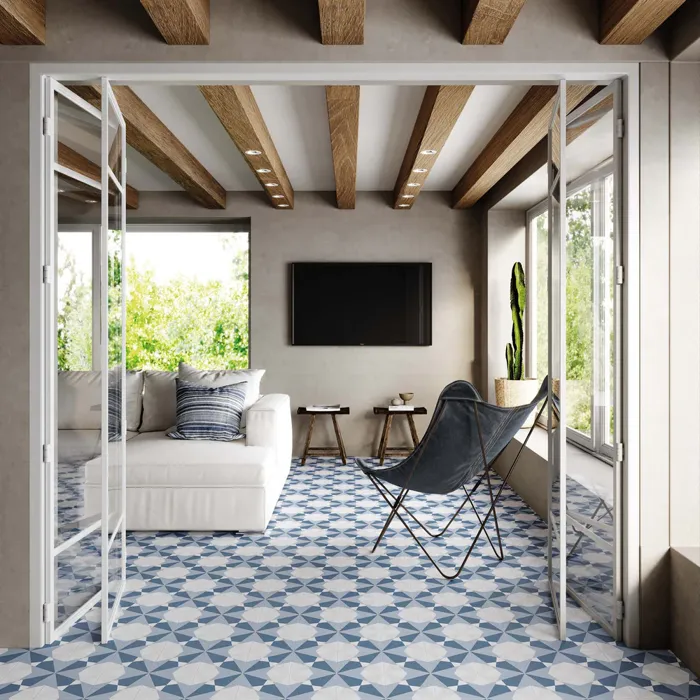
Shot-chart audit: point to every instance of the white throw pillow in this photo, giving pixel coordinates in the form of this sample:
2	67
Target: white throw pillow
79	397
159	403
223	377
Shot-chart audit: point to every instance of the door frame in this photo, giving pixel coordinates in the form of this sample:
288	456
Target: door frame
338	73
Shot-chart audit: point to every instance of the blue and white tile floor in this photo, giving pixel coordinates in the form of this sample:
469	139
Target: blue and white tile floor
306	611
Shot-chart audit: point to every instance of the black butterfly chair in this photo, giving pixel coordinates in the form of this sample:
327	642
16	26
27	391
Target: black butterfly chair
465	437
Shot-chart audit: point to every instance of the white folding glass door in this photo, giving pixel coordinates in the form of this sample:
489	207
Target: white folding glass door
556	541
585	358
84	370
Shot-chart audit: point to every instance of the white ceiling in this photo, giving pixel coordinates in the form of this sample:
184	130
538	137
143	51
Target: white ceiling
297	119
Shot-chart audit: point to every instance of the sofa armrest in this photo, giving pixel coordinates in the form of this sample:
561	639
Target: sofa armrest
269	424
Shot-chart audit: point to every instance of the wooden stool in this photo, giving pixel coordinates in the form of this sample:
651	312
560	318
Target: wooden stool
324	451
388	419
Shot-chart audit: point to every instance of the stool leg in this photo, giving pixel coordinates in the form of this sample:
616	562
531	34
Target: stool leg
339	439
308	439
412	426
385	438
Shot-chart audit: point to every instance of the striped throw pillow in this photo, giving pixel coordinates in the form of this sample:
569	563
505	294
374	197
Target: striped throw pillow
208	413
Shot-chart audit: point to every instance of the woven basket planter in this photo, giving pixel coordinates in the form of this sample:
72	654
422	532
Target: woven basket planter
517	392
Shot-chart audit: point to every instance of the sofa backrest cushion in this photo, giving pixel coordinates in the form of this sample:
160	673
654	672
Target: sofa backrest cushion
224	377
80	400
159	402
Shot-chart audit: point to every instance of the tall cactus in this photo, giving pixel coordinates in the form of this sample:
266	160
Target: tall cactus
514	350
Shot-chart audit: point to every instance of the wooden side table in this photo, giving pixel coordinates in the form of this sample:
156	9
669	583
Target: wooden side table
324	451
384	449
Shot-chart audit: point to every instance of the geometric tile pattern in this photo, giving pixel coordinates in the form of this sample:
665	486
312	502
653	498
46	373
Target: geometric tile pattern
306	611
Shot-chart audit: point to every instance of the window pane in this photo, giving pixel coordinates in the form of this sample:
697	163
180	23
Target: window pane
609	312
579	311
187	300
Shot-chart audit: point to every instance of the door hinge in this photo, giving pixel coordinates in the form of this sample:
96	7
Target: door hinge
619	274
620	128
619	452
620	609
45	453
47	612
46	274
47	126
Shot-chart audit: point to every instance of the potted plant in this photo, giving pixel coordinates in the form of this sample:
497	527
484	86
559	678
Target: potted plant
516	389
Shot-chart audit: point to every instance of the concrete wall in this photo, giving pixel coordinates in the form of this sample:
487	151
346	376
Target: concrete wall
288	30
317	231
14	354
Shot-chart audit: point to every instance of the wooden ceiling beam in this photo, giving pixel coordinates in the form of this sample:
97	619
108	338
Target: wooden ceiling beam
441	108
632	21
519	134
537	158
238	112
342	22
69	158
343	102
489	21
152	139
22	22
181	22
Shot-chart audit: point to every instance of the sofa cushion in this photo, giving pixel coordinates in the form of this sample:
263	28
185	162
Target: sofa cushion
79	396
224	377
79	446
80	399
159	403
153	459
208	412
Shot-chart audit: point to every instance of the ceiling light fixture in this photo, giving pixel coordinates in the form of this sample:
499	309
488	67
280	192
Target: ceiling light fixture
277	196
420	170
271	184
403	206
408	196
283	206
253	152
60	191
429	152
91	201
263	170
414	184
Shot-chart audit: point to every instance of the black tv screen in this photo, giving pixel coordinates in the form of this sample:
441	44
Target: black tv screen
361	303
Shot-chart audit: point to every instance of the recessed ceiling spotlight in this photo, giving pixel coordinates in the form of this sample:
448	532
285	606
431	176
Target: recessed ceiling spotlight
277	196
429	152
60	191
253	152
403	206
271	184
91	201
283	206
408	196
414	184
263	170
420	170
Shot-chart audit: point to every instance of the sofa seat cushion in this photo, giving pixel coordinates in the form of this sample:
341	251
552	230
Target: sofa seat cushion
155	460
75	446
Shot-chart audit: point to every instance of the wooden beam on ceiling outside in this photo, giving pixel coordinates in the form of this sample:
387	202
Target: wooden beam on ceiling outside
489	21
69	158
238	112
183	22
537	158
152	139
632	21
521	132
342	22
343	102
22	22
441	108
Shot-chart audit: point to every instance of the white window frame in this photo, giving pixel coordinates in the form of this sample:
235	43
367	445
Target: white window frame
595	443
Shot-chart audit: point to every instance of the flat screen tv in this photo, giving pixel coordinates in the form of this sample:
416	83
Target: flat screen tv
361	303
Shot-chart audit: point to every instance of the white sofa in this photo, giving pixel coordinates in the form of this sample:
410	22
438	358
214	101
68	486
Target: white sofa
178	484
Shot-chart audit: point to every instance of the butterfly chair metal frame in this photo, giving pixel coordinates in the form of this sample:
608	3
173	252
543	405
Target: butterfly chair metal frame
397	504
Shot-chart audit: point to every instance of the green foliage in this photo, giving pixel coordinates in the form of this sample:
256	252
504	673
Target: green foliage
514	349
204	323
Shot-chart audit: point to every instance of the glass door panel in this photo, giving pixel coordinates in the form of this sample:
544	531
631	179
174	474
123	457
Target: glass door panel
114	375
593	355
556	426
73	382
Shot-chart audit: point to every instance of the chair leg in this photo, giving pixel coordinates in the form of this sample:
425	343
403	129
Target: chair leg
393	512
